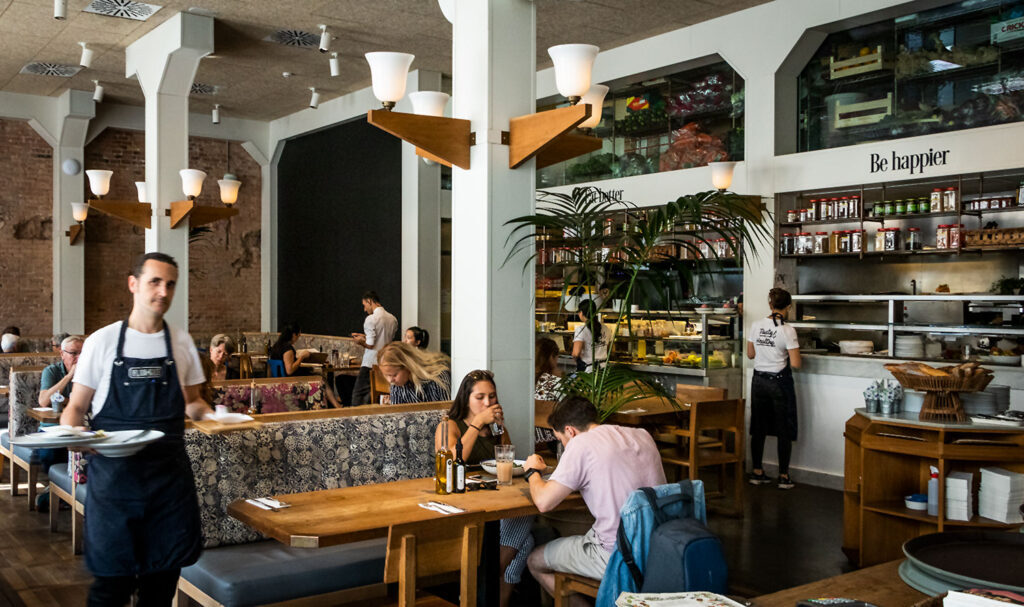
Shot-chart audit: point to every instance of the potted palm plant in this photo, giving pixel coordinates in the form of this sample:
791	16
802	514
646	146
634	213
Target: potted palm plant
580	221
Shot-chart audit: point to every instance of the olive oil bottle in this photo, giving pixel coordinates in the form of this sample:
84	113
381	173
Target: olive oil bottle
441	462
459	468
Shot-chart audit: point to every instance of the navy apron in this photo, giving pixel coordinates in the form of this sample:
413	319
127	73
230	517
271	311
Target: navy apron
141	511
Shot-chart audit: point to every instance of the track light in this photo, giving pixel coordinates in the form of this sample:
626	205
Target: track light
335	65
216	113
60	9
86	59
325	39
97	94
314	99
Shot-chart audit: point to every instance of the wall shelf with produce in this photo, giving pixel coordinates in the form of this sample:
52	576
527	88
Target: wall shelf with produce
954	67
910	282
681	323
676	121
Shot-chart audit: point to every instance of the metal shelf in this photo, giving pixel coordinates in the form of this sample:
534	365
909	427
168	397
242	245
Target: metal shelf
899	297
903	328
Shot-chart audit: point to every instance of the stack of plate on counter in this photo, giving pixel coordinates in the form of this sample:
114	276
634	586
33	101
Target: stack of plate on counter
909	346
983	403
854	346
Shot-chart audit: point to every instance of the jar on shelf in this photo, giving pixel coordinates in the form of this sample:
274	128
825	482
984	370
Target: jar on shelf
812	212
924	204
802	215
1020	194
942	237
722	247
890	208
954	235
704	247
892	239
787	244
854	206
878	209
821	243
880	239
1007	202
901	207
823	210
804	245
937	201
844	241
949	199
856	241
912	206
792	216
913	240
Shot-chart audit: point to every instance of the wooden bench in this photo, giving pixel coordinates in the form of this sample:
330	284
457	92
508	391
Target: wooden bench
24	394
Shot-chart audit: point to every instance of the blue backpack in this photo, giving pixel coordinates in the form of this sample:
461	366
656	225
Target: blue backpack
684	555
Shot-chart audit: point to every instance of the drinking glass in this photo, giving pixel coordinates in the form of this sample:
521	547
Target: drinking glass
504	460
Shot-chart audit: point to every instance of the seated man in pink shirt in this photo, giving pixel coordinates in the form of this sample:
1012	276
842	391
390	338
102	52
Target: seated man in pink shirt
605	463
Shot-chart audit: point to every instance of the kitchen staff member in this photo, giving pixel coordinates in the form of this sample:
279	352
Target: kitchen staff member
142	525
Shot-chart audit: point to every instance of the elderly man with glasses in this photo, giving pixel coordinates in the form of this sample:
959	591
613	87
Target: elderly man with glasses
58	376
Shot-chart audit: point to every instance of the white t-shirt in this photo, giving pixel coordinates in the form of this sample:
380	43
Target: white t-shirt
380	328
605	464
100	350
772	344
600	351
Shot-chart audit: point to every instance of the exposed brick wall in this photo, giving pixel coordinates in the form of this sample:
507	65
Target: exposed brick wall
224	283
26	212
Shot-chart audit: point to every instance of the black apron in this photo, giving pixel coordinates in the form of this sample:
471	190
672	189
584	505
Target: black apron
141	511
773	403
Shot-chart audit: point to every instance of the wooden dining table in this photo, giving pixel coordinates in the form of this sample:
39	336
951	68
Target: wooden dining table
350	514
48	416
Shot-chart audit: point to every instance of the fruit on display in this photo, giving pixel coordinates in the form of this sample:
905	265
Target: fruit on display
690	147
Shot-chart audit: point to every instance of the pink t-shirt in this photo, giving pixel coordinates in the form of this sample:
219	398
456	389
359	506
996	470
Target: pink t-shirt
606	464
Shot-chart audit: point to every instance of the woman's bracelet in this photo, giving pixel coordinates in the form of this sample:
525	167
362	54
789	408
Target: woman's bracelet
477	428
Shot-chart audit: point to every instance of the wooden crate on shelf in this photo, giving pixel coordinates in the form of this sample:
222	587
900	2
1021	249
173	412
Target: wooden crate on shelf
871	62
864	112
1001	237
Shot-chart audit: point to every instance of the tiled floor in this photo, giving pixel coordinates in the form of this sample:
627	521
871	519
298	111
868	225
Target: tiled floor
784	539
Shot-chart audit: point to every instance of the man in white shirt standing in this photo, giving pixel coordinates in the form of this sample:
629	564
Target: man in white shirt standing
143	523
379	329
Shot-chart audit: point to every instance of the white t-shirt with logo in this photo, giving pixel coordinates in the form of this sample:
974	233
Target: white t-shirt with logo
590	350
772	344
100	350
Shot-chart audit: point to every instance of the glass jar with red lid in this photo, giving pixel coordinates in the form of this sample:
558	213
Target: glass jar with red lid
913	241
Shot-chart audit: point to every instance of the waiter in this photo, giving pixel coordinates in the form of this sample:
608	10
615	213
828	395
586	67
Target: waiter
142	513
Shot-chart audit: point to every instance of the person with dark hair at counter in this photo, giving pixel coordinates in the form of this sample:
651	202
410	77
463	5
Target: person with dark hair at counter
284	350
774	348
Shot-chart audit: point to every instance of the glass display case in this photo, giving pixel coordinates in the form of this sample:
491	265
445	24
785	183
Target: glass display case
678	121
954	67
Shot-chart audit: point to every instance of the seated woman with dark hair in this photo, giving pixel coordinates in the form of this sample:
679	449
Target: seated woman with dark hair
417	336
416	376
284	350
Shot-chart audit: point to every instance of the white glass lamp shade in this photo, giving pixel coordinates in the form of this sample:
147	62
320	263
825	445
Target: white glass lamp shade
595	99
192	182
573	64
79	210
721	174
389	72
99	181
141	187
229	189
428	103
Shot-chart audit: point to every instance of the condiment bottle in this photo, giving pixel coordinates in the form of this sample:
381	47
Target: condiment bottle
440	459
937	201
949	200
459	467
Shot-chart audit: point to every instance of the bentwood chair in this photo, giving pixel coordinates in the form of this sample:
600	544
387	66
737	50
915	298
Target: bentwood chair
379	385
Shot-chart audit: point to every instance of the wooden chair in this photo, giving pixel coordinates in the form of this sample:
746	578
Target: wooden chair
415	551
379	386
567	584
686	394
728	451
244	366
58	495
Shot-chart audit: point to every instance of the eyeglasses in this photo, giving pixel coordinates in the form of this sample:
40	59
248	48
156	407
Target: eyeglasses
71	353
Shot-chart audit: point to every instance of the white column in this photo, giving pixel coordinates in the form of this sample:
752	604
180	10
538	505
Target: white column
165	61
493	80
421	230
75	110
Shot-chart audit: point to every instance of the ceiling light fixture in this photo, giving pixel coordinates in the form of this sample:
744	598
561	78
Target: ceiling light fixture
314	98
192	186
429	103
135	213
215	115
60	9
325	39
97	93
86	59
335	65
573	65
389	71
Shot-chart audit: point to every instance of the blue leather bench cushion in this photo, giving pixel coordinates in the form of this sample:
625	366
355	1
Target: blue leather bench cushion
29	455
59	476
269	572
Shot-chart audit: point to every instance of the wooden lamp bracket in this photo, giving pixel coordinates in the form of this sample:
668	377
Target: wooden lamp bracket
75	233
441	139
135	213
547	136
195	214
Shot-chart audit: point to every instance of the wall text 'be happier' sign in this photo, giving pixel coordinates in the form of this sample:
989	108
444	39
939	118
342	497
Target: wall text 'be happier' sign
915	163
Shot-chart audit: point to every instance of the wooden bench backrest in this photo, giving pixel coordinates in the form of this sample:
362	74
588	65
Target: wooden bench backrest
439	547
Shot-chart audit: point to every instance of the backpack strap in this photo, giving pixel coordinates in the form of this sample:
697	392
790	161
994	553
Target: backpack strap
627	556
652	499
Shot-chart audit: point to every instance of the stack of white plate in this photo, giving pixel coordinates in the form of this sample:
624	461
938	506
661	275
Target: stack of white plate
909	346
1002	395
983	403
853	346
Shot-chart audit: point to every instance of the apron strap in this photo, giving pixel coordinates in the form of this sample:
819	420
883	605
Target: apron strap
119	357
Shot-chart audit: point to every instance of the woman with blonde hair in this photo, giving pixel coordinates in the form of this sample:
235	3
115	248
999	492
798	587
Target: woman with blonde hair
415	375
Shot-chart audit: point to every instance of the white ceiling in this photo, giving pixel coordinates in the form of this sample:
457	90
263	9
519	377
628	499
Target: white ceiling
247	70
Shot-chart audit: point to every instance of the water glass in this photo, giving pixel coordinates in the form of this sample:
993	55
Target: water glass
504	461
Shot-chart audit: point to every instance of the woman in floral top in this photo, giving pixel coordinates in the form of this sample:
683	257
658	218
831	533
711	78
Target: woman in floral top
415	375
546	370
